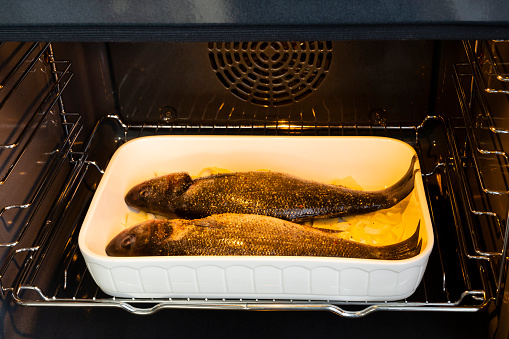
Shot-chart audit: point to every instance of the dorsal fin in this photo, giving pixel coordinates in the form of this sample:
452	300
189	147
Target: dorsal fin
207	222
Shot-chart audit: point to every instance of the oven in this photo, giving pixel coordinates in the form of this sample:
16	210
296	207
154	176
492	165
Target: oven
435	78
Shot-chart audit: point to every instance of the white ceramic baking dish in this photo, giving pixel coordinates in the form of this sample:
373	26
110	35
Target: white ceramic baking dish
374	162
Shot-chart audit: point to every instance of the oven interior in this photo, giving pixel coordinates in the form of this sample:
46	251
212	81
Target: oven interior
66	107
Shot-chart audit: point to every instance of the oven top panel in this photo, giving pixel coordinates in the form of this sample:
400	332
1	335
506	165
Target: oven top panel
135	20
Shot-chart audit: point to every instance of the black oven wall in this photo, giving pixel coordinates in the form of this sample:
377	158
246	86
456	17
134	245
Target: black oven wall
350	83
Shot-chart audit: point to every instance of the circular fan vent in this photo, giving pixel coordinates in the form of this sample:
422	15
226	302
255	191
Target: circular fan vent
271	73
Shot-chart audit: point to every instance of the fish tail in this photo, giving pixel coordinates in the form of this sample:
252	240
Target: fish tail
404	186
403	250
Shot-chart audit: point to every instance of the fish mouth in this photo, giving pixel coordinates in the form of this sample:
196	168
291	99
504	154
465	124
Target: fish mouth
110	250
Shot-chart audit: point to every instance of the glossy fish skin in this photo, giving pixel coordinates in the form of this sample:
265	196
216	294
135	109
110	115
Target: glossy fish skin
266	193
246	235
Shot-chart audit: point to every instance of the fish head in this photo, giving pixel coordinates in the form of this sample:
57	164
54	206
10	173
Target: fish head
157	195
140	240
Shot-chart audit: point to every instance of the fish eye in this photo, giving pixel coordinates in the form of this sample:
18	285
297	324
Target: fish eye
145	192
127	241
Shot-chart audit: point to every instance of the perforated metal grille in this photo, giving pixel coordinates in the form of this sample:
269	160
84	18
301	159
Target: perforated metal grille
271	73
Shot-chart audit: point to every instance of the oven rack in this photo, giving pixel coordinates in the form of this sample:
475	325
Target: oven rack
495	65
17	146
442	287
485	146
486	139
486	70
21	147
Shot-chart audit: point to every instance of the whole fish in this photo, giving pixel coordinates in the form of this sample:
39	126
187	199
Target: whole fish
265	193
247	235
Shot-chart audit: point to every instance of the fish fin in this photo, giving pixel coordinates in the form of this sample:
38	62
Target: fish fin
403	250
207	222
328	230
401	189
216	175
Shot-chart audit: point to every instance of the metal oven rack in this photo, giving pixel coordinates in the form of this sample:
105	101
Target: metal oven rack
42	266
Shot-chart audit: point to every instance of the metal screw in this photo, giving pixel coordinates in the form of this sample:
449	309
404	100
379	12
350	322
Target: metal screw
168	114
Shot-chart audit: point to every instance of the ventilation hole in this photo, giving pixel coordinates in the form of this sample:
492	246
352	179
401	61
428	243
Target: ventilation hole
327	62
248	62
213	62
289	76
271	73
255	101
261	72
278	65
260	63
261	95
293	83
252	76
283	102
243	88
220	60
229	76
248	82
318	82
239	94
303	95
223	80
311	78
298	89
281	95
279	73
236	72
311	59
229	59
319	60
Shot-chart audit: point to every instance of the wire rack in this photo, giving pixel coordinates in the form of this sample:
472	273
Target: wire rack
42	265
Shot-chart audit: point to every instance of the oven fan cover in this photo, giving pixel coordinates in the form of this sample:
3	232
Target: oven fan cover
271	74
